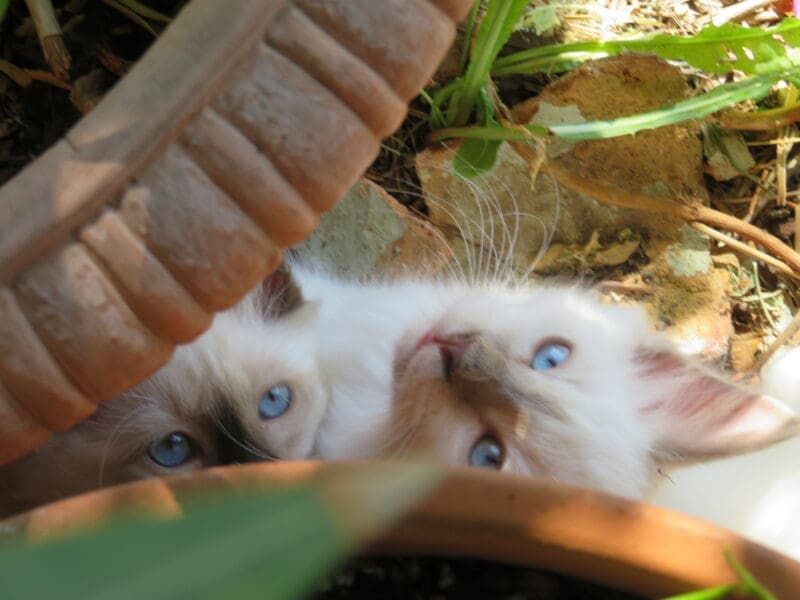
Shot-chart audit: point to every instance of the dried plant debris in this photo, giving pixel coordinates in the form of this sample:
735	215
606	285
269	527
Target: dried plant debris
41	94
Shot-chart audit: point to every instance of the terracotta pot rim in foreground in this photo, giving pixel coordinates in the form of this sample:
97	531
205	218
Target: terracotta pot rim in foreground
622	544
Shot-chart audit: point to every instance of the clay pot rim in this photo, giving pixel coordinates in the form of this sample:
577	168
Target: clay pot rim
623	544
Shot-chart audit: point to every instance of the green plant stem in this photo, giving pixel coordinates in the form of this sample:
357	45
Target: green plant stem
494	132
532	60
715	593
752	88
145	11
3	7
708	50
469	28
500	18
750	583
694	108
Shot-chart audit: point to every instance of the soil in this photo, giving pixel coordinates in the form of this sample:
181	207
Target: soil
103	45
425	578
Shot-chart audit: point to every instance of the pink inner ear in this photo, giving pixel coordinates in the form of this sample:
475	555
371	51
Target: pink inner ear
698	415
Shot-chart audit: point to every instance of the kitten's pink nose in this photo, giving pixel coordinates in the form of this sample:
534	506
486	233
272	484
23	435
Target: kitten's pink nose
452	349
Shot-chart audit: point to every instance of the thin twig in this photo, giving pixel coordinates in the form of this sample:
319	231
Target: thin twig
745	249
25	77
760	297
783	337
50	37
760	120
689	212
782	151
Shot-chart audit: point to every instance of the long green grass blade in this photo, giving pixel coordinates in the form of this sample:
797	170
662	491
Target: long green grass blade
752	50
3	8
498	23
715	593
251	544
145	11
469	27
752	88
277	544
750	583
115	4
476	157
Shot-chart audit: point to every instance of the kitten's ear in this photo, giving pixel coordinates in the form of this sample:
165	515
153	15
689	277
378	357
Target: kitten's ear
279	294
696	415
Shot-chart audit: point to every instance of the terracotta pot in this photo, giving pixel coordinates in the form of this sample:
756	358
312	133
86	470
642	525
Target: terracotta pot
621	544
177	193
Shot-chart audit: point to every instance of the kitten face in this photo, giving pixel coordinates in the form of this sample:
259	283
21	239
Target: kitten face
555	384
247	389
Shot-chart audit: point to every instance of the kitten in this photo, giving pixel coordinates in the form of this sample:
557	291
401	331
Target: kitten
530	379
247	389
756	495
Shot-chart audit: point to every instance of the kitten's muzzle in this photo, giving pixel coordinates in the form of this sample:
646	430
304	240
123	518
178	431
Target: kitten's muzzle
452	349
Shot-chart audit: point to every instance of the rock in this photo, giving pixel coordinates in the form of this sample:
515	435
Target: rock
744	347
369	232
482	217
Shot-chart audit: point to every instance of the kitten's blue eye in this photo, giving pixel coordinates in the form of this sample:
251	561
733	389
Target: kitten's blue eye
550	355
487	453
275	402
172	450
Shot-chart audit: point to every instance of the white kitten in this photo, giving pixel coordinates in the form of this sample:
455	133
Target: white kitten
756	495
247	389
536	380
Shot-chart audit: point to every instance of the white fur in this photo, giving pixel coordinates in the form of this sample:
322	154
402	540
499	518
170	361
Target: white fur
590	427
756	495
227	369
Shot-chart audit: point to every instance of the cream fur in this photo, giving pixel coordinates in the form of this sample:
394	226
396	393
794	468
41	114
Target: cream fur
606	418
226	370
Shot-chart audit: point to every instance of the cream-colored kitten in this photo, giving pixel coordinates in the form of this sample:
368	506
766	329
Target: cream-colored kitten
247	389
530	379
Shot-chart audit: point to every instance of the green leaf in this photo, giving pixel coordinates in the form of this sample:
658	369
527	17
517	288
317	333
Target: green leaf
542	19
145	11
752	88
715	593
752	50
749	586
749	583
694	108
277	544
116	5
498	23
474	157
3	8
469	26
252	544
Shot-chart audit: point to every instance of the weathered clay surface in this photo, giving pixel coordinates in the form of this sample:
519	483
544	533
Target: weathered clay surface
84	322
159	210
370	233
